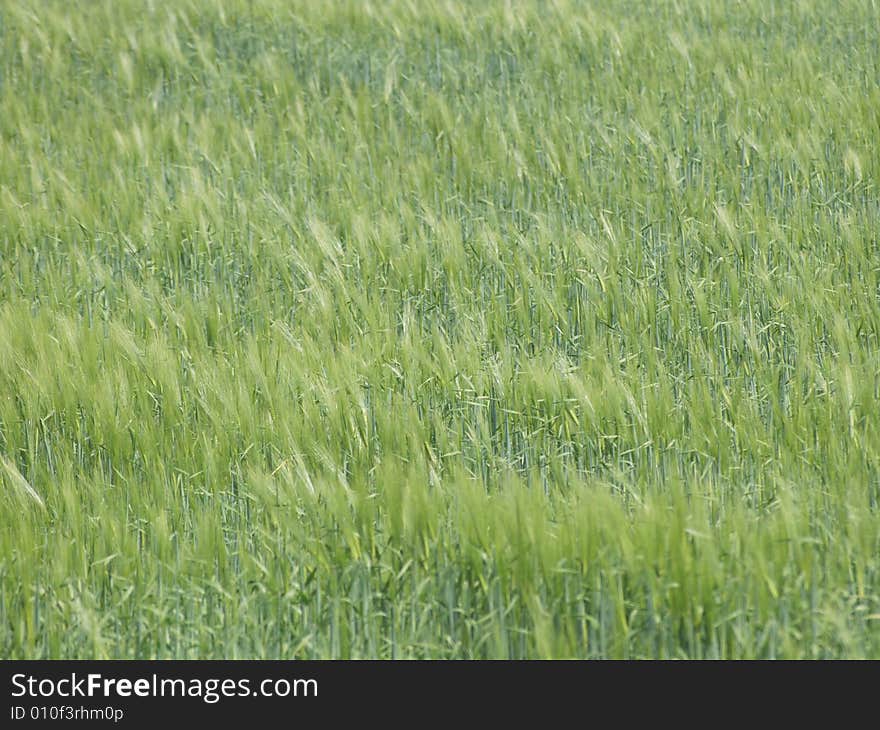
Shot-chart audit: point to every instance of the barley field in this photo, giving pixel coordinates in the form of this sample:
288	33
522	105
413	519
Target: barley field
439	329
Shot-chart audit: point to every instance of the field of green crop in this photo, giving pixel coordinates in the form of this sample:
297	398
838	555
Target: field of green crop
391	328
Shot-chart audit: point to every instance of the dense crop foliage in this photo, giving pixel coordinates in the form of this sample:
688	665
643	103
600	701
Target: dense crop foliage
439	329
